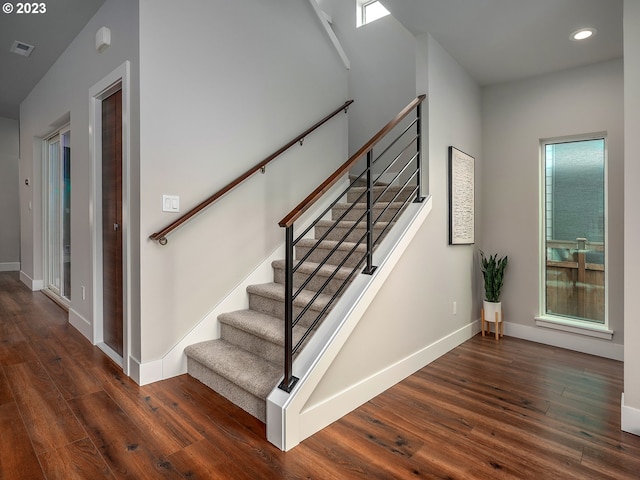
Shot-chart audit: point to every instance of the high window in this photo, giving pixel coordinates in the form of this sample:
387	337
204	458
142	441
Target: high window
574	229
368	11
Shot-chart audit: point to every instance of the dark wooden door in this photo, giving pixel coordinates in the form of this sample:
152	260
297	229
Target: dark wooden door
112	221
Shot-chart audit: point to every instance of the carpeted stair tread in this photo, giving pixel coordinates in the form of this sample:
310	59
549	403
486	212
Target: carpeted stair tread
330	244
349	223
376	206
243	368
259	324
380	193
275	291
309	267
244	365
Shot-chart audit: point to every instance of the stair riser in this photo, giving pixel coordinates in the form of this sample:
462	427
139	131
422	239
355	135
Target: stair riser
265	349
320	253
338	233
232	392
356	212
315	284
275	308
388	196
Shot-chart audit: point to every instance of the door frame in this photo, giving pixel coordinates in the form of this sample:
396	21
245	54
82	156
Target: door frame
46	190
118	79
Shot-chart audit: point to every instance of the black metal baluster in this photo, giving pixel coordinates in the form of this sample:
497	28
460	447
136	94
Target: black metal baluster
419	198
289	380
369	268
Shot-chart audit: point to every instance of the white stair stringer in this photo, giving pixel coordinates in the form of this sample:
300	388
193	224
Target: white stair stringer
288	417
175	361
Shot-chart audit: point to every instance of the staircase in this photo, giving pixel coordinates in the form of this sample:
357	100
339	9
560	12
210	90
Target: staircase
246	362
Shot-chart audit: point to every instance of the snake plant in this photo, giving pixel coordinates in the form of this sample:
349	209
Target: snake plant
493	273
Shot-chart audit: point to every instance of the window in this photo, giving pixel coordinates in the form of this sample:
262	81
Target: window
369	11
574	229
57	172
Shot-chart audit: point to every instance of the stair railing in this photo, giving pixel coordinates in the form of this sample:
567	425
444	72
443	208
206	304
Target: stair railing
404	147
161	236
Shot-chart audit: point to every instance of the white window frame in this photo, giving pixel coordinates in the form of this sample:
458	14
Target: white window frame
567	324
361	6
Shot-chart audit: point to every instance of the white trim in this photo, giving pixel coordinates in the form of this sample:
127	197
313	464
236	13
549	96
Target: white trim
575	326
81	324
567	340
118	79
10	267
629	418
285	414
110	352
33	285
145	373
332	36
320	415
542	229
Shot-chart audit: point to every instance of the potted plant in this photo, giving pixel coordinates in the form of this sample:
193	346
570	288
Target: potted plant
493	273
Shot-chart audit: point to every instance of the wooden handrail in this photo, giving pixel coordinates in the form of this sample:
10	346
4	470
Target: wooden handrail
335	176
161	235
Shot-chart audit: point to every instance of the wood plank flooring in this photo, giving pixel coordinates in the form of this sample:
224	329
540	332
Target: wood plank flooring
487	410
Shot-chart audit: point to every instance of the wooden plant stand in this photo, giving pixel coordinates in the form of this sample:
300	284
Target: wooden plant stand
498	321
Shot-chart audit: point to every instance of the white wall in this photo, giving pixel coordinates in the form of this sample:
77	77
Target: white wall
223	85
9	214
631	403
414	309
382	74
63	94
515	117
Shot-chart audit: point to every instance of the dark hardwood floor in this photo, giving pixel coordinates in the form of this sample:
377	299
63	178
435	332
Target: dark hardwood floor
486	410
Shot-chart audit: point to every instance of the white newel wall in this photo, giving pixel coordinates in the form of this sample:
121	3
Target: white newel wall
631	397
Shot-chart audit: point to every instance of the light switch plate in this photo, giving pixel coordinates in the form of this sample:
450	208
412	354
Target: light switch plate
170	203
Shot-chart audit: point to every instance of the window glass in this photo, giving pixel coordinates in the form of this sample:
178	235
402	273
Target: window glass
574	228
369	12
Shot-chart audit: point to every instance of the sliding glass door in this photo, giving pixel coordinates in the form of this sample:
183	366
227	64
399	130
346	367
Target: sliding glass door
58	214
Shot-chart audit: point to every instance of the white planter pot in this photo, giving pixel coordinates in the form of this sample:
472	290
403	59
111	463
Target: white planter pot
490	309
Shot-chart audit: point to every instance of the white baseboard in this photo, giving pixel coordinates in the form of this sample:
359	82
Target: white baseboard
81	324
33	285
630	418
145	373
289	419
570	341
320	415
10	267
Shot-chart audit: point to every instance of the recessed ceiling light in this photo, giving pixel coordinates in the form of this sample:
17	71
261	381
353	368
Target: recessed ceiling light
583	33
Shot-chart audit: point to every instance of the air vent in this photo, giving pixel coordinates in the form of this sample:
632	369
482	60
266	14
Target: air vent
21	48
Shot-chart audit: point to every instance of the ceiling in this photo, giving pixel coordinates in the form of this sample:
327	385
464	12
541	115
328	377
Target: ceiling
50	32
494	40
502	40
